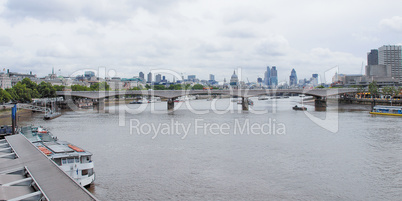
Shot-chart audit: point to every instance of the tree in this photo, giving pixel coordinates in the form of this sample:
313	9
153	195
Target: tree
136	88
175	87
198	87
147	86
373	89
23	93
320	87
361	90
4	96
59	87
29	84
99	86
78	87
12	93
46	90
159	87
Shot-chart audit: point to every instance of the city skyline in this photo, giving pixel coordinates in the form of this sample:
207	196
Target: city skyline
195	37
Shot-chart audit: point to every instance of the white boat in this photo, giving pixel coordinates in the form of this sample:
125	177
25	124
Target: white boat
185	98
51	115
74	161
262	98
387	110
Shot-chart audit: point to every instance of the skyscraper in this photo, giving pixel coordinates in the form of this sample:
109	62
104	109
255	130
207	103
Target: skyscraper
391	55
158	78
211	77
191	78
141	75
267	76
150	77
314	79
372	57
293	78
274	77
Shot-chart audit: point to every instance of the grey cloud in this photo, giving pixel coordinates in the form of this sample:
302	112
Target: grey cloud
42	10
101	11
394	23
89	32
239	34
5	41
274	45
248	14
210	48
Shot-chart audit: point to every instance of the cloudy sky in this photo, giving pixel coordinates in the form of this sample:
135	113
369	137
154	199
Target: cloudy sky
195	36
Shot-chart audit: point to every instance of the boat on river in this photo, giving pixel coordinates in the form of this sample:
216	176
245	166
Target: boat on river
51	115
302	108
74	161
387	110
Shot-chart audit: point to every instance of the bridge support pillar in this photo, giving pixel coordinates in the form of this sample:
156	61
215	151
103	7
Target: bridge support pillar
170	104
100	106
244	103
320	103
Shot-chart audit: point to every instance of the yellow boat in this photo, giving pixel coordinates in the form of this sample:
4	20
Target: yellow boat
387	110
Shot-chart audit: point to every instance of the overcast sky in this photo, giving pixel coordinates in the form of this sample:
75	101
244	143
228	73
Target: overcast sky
195	36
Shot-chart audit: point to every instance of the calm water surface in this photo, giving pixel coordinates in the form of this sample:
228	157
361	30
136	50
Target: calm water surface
361	161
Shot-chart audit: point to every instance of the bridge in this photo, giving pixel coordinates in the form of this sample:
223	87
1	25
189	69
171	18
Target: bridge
320	95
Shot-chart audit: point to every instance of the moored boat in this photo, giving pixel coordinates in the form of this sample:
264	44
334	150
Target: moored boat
74	161
299	108
387	110
51	115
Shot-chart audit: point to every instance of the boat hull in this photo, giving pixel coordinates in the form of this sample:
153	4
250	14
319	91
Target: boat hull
300	108
390	114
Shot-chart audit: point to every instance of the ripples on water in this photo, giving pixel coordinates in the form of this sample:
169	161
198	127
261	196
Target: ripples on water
362	161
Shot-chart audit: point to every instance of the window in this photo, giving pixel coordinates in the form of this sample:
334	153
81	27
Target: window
64	161
57	161
70	160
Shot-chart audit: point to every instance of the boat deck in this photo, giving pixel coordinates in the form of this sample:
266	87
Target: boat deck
53	183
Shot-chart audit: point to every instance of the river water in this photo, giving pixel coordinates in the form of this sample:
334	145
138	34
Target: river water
211	150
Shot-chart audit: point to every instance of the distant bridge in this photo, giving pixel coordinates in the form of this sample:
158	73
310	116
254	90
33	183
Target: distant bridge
172	94
319	94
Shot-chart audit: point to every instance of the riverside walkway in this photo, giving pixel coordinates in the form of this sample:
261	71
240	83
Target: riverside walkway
27	174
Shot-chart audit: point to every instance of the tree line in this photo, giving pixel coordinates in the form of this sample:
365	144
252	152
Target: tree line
375	90
25	90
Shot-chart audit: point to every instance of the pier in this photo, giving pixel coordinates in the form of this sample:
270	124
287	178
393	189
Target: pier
27	174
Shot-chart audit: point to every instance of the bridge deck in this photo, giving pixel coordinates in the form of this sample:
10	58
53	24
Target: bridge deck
53	182
234	92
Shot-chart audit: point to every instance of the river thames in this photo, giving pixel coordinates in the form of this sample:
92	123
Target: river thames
211	150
